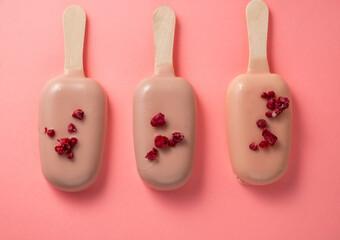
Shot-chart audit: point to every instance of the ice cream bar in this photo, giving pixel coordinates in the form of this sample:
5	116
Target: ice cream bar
258	111
164	115
72	116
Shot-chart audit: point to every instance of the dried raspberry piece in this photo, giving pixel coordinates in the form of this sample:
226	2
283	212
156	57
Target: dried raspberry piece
152	155
59	150
73	142
79	114
172	143
161	141
263	144
264	95
65	146
282	103
51	132
269	114
261	123
45	130
269	137
271	103
177	137
271	94
277	112
70	155
253	146
71	128
158	120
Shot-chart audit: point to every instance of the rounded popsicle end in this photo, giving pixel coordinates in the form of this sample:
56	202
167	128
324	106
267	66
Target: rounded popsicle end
260	180
78	184
166	184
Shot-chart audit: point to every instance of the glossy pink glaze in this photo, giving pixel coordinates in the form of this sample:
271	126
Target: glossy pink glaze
175	98
59	98
244	108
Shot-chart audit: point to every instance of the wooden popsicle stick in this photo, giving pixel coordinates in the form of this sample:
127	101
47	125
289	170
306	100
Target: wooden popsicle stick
164	21
74	20
257	23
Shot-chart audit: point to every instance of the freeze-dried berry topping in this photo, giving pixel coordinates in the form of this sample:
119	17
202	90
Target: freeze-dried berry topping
282	103
71	128
59	150
73	142
271	103
261	123
158	120
45	130
51	132
70	155
152	155
277	112
263	144
65	146
177	137
264	95
79	114
161	141
269	114
172	143
253	146
271	94
269	137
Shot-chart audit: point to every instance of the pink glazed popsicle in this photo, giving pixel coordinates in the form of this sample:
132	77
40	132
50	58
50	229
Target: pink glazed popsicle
165	96
72	165
258	164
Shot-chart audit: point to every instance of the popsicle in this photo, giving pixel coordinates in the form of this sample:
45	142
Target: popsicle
164	115
72	116
258	111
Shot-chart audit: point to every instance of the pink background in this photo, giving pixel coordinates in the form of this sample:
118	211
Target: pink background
210	50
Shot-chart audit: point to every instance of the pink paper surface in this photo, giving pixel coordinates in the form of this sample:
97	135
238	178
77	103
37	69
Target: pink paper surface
210	50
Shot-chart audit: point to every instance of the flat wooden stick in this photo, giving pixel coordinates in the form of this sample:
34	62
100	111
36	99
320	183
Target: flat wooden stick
74	30
257	22
164	21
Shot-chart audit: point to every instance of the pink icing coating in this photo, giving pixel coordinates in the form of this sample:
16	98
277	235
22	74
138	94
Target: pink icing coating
175	98
244	107
59	98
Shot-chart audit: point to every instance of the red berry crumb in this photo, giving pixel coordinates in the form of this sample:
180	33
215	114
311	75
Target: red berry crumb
152	155
264	95
177	137
158	120
51	132
261	123
172	143
79	114
65	146
253	146
282	103
73	142
263	144
277	112
59	150
161	141
45	130
271	103
269	137
71	128
70	155
271	94
269	114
